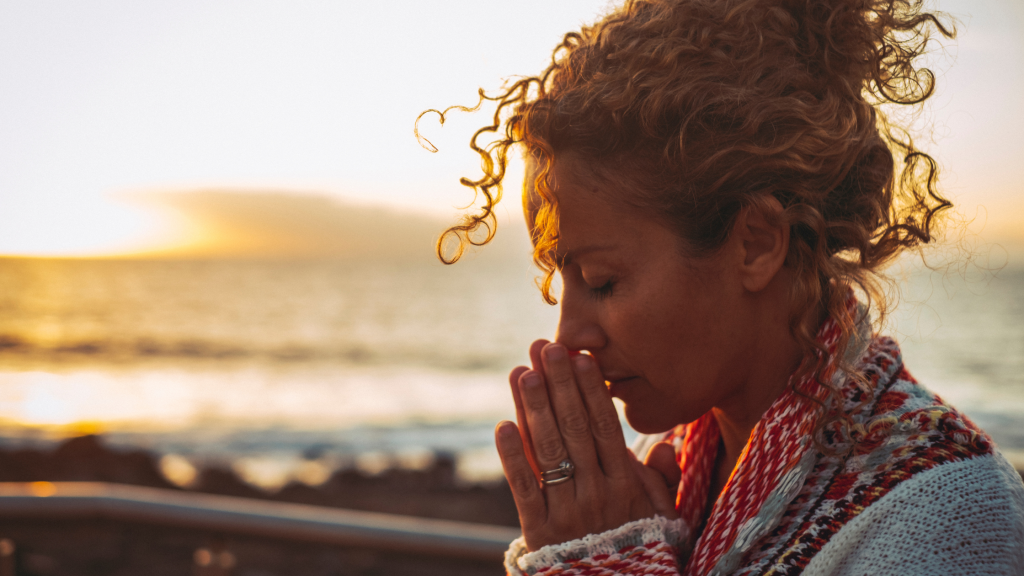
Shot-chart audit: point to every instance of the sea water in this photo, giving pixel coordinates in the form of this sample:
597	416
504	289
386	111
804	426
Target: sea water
290	369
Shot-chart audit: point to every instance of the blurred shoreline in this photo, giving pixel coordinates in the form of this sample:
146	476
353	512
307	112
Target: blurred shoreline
295	369
430	489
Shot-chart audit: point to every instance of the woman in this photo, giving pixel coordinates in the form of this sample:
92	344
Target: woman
714	181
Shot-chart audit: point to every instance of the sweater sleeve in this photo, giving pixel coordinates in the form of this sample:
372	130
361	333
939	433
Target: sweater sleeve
964	517
647	546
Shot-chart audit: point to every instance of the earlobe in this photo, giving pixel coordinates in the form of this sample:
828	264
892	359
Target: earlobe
763	239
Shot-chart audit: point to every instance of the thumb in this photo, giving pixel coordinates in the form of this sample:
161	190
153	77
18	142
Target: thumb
662	458
660	495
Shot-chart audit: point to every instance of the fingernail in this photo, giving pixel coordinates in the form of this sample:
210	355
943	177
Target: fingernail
506	428
531	379
555	352
581	362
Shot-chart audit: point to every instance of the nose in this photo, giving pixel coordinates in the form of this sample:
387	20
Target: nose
579	326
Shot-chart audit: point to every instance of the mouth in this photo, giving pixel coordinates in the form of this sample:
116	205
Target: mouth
619	384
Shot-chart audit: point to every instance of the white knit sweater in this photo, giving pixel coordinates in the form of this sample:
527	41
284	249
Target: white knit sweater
924	492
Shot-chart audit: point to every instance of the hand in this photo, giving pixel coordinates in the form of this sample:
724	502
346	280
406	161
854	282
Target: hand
565	412
662	458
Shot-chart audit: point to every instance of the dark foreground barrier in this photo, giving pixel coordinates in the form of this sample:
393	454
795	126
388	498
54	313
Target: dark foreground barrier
74	505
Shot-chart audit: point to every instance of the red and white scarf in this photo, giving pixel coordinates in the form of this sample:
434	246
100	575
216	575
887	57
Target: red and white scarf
776	446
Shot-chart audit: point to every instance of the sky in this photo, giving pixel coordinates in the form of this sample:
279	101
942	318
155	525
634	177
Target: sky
115	116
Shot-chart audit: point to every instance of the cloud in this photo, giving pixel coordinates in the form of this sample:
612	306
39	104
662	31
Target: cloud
278	224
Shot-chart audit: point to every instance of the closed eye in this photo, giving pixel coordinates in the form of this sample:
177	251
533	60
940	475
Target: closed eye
603	291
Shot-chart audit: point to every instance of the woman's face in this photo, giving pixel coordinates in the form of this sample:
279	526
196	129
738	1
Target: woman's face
667	330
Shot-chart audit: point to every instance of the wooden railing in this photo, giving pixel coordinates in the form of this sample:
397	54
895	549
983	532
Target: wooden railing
246	516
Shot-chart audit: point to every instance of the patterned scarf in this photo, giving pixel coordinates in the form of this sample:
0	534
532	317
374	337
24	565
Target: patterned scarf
767	475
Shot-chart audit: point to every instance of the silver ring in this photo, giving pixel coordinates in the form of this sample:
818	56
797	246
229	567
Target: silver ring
561	474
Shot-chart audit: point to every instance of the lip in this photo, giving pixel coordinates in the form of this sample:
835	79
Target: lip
618	385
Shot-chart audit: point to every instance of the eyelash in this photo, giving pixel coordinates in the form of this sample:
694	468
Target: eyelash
603	291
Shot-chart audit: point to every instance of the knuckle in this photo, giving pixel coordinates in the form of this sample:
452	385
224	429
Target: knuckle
561	377
509	452
536	402
574	425
607	427
521	484
550	449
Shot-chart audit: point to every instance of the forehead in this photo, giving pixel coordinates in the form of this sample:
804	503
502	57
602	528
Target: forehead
591	213
583	201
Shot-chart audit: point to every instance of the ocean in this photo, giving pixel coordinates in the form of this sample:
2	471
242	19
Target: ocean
291	369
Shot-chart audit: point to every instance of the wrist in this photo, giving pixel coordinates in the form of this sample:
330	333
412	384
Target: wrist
632	541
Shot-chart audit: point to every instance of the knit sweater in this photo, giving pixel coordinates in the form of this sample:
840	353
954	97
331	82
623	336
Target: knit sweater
918	489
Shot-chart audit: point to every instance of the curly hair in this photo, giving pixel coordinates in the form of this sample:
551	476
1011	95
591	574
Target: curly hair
707	107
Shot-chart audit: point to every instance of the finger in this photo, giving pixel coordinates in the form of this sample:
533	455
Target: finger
570	413
535	352
661	497
527	494
662	458
524	429
548	447
606	430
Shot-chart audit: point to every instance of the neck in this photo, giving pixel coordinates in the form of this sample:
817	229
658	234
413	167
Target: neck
737	418
768	366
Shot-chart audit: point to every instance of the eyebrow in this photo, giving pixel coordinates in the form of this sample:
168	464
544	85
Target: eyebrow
569	256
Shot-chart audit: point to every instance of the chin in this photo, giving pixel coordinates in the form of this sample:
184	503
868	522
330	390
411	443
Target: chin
648	422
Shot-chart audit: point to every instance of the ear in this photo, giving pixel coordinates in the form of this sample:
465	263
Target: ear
763	242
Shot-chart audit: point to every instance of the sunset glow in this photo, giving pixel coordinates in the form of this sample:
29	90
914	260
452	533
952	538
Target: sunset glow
94	227
103	104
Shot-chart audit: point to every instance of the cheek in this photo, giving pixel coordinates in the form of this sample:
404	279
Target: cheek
673	331
677	340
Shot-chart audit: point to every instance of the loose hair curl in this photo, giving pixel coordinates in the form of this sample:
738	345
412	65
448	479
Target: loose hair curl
701	108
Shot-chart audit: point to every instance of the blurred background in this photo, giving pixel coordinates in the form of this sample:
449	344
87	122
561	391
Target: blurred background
217	227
